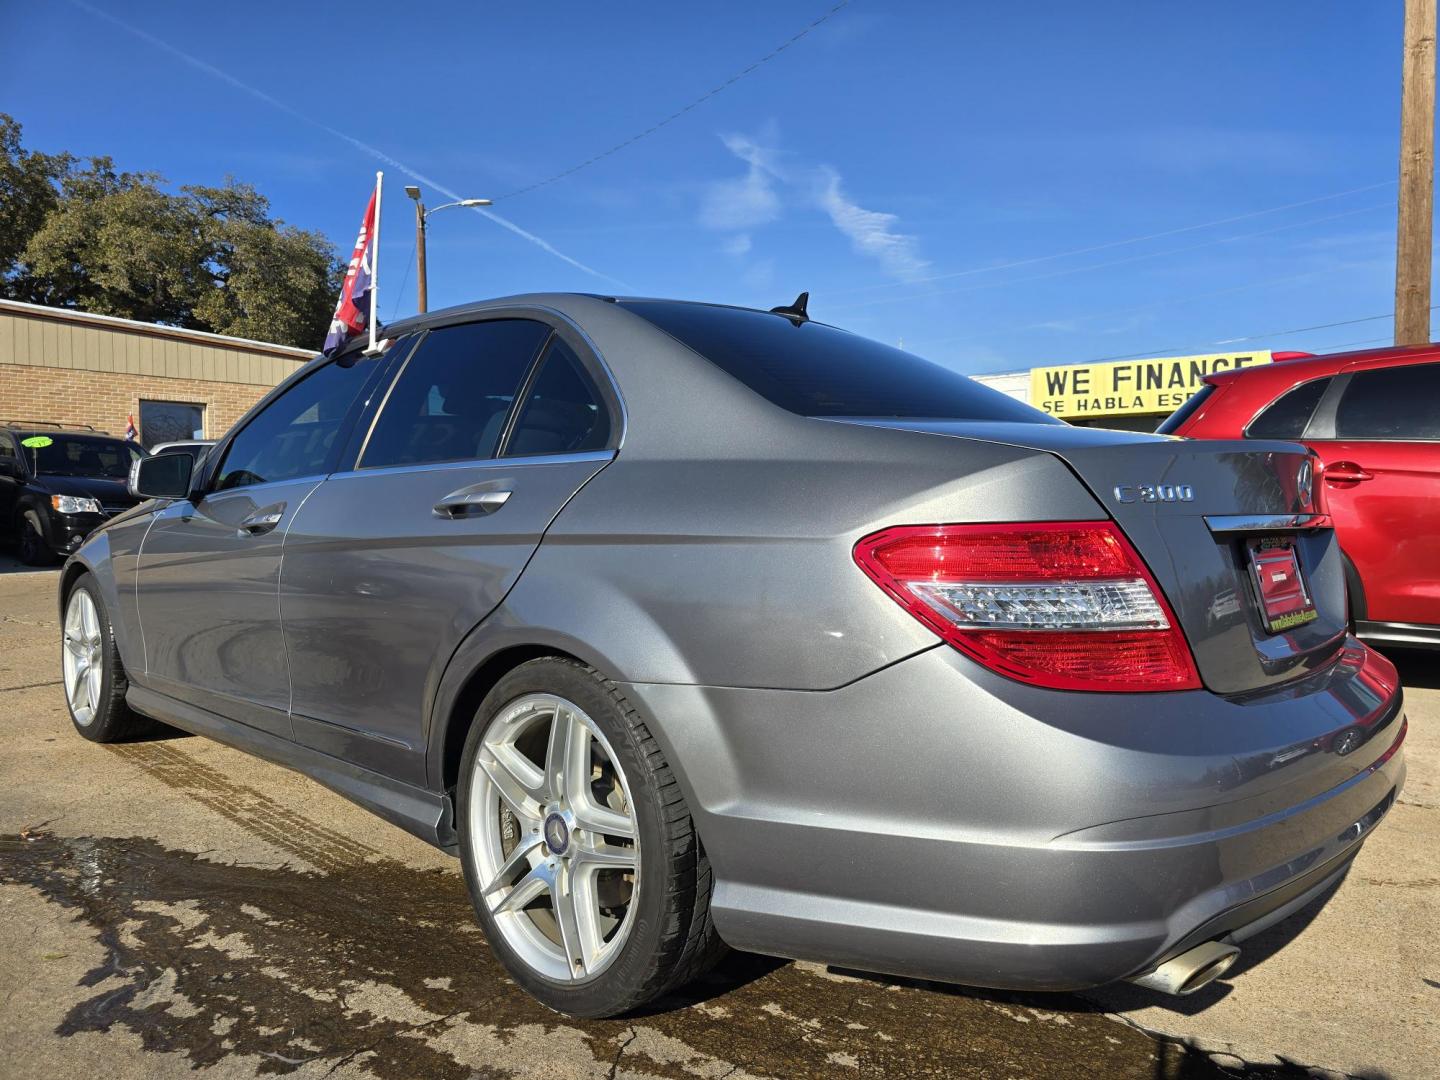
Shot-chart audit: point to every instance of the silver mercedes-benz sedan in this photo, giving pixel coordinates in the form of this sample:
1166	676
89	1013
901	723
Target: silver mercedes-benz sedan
685	624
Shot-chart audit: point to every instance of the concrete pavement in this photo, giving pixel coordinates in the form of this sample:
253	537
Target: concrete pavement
172	905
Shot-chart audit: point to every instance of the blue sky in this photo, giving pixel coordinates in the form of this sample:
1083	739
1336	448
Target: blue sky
997	185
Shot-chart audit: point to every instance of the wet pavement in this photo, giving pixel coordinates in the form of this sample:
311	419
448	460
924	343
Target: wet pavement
171	905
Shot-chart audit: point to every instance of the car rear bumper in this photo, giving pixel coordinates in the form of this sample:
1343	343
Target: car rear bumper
935	820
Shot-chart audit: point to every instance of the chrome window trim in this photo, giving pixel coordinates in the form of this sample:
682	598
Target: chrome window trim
480	463
524	311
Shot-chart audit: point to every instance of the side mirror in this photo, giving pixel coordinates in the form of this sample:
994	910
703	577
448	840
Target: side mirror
164	476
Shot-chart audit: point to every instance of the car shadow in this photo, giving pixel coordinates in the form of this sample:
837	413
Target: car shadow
11	565
1419	668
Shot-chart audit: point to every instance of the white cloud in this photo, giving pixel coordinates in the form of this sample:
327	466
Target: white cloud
750	201
746	201
737	245
871	232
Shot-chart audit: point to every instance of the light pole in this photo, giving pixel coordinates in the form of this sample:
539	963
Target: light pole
422	293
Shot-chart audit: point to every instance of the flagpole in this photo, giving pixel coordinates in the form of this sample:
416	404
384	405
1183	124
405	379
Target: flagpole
375	265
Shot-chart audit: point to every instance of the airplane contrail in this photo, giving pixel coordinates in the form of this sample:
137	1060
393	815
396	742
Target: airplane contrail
375	152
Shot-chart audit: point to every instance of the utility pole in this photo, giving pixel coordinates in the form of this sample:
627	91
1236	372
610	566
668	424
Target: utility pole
422	295
1415	227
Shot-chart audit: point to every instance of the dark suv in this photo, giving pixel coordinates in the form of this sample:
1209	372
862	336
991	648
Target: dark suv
58	484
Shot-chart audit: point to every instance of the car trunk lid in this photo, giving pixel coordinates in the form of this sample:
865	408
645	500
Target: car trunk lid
1224	527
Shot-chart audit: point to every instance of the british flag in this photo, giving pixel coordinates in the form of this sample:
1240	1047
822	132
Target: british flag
353	312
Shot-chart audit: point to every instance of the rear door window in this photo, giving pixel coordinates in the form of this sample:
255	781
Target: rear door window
817	370
563	412
1398	403
454	394
1288	416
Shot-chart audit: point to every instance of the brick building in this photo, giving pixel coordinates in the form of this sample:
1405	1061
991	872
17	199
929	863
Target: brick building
73	368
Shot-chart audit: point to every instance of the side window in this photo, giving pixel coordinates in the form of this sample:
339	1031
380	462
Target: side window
293	435
1287	416
9	463
1391	403
563	413
451	399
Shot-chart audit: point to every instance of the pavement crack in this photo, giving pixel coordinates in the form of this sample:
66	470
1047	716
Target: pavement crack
620	1051
403	1029
30	686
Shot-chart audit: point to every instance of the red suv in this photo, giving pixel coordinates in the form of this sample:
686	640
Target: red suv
1373	418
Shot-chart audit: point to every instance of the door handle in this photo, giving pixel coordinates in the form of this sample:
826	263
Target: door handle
1346	472
466	503
262	521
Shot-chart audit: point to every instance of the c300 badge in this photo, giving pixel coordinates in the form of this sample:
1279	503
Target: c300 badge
1154	493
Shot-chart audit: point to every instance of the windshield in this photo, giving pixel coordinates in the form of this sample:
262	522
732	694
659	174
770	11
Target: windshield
816	370
67	455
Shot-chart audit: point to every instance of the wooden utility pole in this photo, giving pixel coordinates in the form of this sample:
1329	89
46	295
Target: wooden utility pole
422	285
1415	227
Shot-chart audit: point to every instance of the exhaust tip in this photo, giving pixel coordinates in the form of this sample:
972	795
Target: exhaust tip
1192	970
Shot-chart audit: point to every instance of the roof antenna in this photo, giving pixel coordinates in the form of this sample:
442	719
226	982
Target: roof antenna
795	312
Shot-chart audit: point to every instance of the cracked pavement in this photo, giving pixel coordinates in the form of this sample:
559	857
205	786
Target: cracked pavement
173	906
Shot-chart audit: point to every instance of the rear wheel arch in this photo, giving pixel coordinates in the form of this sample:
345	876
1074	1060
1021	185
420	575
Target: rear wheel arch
459	713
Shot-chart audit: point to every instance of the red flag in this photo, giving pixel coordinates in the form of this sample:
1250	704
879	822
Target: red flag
352	313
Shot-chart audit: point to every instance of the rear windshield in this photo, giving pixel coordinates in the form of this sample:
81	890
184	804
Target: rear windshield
1184	412
816	370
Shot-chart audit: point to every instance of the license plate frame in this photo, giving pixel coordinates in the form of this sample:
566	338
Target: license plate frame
1282	594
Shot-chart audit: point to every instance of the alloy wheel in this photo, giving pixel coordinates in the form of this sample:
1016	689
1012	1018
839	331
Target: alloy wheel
554	838
83	657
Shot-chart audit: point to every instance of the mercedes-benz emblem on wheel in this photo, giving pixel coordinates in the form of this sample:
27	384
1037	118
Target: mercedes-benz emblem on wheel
557	834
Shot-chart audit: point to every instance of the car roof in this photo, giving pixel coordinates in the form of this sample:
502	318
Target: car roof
59	433
564	301
1313	367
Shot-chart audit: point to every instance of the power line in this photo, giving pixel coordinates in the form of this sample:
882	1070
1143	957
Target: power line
679	112
1174	349
1121	243
405	278
1128	259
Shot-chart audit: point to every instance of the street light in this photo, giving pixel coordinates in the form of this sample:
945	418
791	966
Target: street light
420	215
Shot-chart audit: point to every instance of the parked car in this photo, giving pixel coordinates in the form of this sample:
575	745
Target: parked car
197	448
1373	420
685	625
57	484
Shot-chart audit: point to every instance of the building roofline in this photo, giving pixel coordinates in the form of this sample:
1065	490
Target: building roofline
176	333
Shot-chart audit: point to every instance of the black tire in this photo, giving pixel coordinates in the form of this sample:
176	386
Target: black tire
30	543
113	720
672	940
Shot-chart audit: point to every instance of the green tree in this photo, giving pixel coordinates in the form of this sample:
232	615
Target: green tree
28	192
117	243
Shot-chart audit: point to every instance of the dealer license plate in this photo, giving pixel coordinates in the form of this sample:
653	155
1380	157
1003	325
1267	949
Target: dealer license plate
1280	587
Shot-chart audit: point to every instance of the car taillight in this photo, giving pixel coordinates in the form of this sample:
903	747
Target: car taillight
1060	604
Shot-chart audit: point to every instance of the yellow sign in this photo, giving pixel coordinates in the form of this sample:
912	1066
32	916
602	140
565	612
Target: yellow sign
1127	387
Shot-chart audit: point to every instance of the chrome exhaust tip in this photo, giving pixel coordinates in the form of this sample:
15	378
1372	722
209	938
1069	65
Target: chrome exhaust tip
1190	970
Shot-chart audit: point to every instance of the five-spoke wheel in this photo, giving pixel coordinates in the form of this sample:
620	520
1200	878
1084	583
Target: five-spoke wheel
581	857
555	838
83	661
